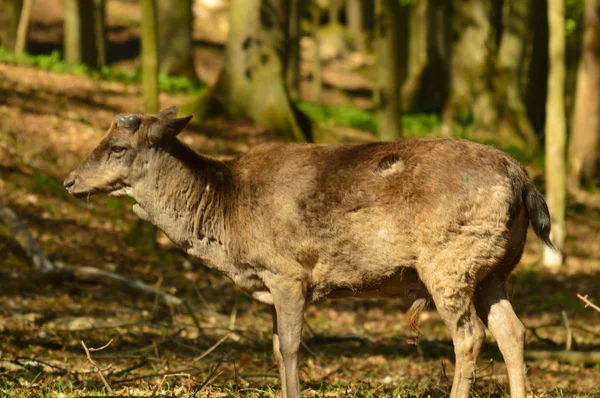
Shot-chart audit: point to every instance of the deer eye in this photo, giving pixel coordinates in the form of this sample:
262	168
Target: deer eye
118	150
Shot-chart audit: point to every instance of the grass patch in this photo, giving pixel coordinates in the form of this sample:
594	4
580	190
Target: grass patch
54	63
413	124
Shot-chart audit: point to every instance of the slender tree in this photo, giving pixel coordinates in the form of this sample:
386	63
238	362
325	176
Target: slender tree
317	74
585	131
175	38
80	33
556	132
149	57
387	92
10	12
292	48
21	42
354	17
251	84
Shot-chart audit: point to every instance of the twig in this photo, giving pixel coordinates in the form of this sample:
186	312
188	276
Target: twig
194	319
587	302
212	376
64	271
569	342
98	370
211	349
573	357
165	378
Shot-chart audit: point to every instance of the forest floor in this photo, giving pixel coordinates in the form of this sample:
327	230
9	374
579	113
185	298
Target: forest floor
49	122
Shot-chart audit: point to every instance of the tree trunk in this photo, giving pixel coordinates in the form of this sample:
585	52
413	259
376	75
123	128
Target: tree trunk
387	92
538	66
149	57
10	12
335	7
471	99
426	86
354	18
583	146
80	43
513	119
21	42
175	42
100	31
317	74
292	49
251	84
556	132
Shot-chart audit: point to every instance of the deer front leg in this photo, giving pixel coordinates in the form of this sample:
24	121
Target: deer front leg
289	298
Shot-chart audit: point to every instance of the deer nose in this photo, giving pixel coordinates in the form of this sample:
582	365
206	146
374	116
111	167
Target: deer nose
70	181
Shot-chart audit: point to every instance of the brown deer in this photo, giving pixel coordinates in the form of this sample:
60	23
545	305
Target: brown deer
295	223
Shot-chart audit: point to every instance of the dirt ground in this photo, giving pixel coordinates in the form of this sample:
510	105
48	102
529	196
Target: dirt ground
48	124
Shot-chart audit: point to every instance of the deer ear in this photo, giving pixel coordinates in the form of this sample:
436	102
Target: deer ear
168	128
168	113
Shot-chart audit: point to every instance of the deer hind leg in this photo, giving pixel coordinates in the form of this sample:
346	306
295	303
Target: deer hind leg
278	356
454	299
497	313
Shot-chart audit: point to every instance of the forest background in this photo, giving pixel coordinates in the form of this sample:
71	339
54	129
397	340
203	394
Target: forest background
521	75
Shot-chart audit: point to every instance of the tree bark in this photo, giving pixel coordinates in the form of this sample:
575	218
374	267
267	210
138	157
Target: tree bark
149	57
251	84
387	92
80	42
175	42
585	130
471	99
513	119
10	12
556	133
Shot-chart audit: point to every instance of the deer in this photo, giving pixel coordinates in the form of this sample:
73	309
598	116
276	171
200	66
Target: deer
442	220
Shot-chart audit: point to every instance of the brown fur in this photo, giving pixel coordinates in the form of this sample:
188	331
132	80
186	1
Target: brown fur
295	223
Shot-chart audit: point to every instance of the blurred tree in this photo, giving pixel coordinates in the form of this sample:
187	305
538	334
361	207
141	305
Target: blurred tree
354	18
293	10
585	130
317	75
426	85
10	12
556	132
175	42
471	99
251	84
149	57
81	41
537	75
513	119
387	91
335	6
21	41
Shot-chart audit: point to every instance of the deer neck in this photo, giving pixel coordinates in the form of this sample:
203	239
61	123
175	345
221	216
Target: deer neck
186	196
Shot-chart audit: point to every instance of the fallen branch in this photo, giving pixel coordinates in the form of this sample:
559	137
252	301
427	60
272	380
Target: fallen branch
98	370
572	357
64	271
587	302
